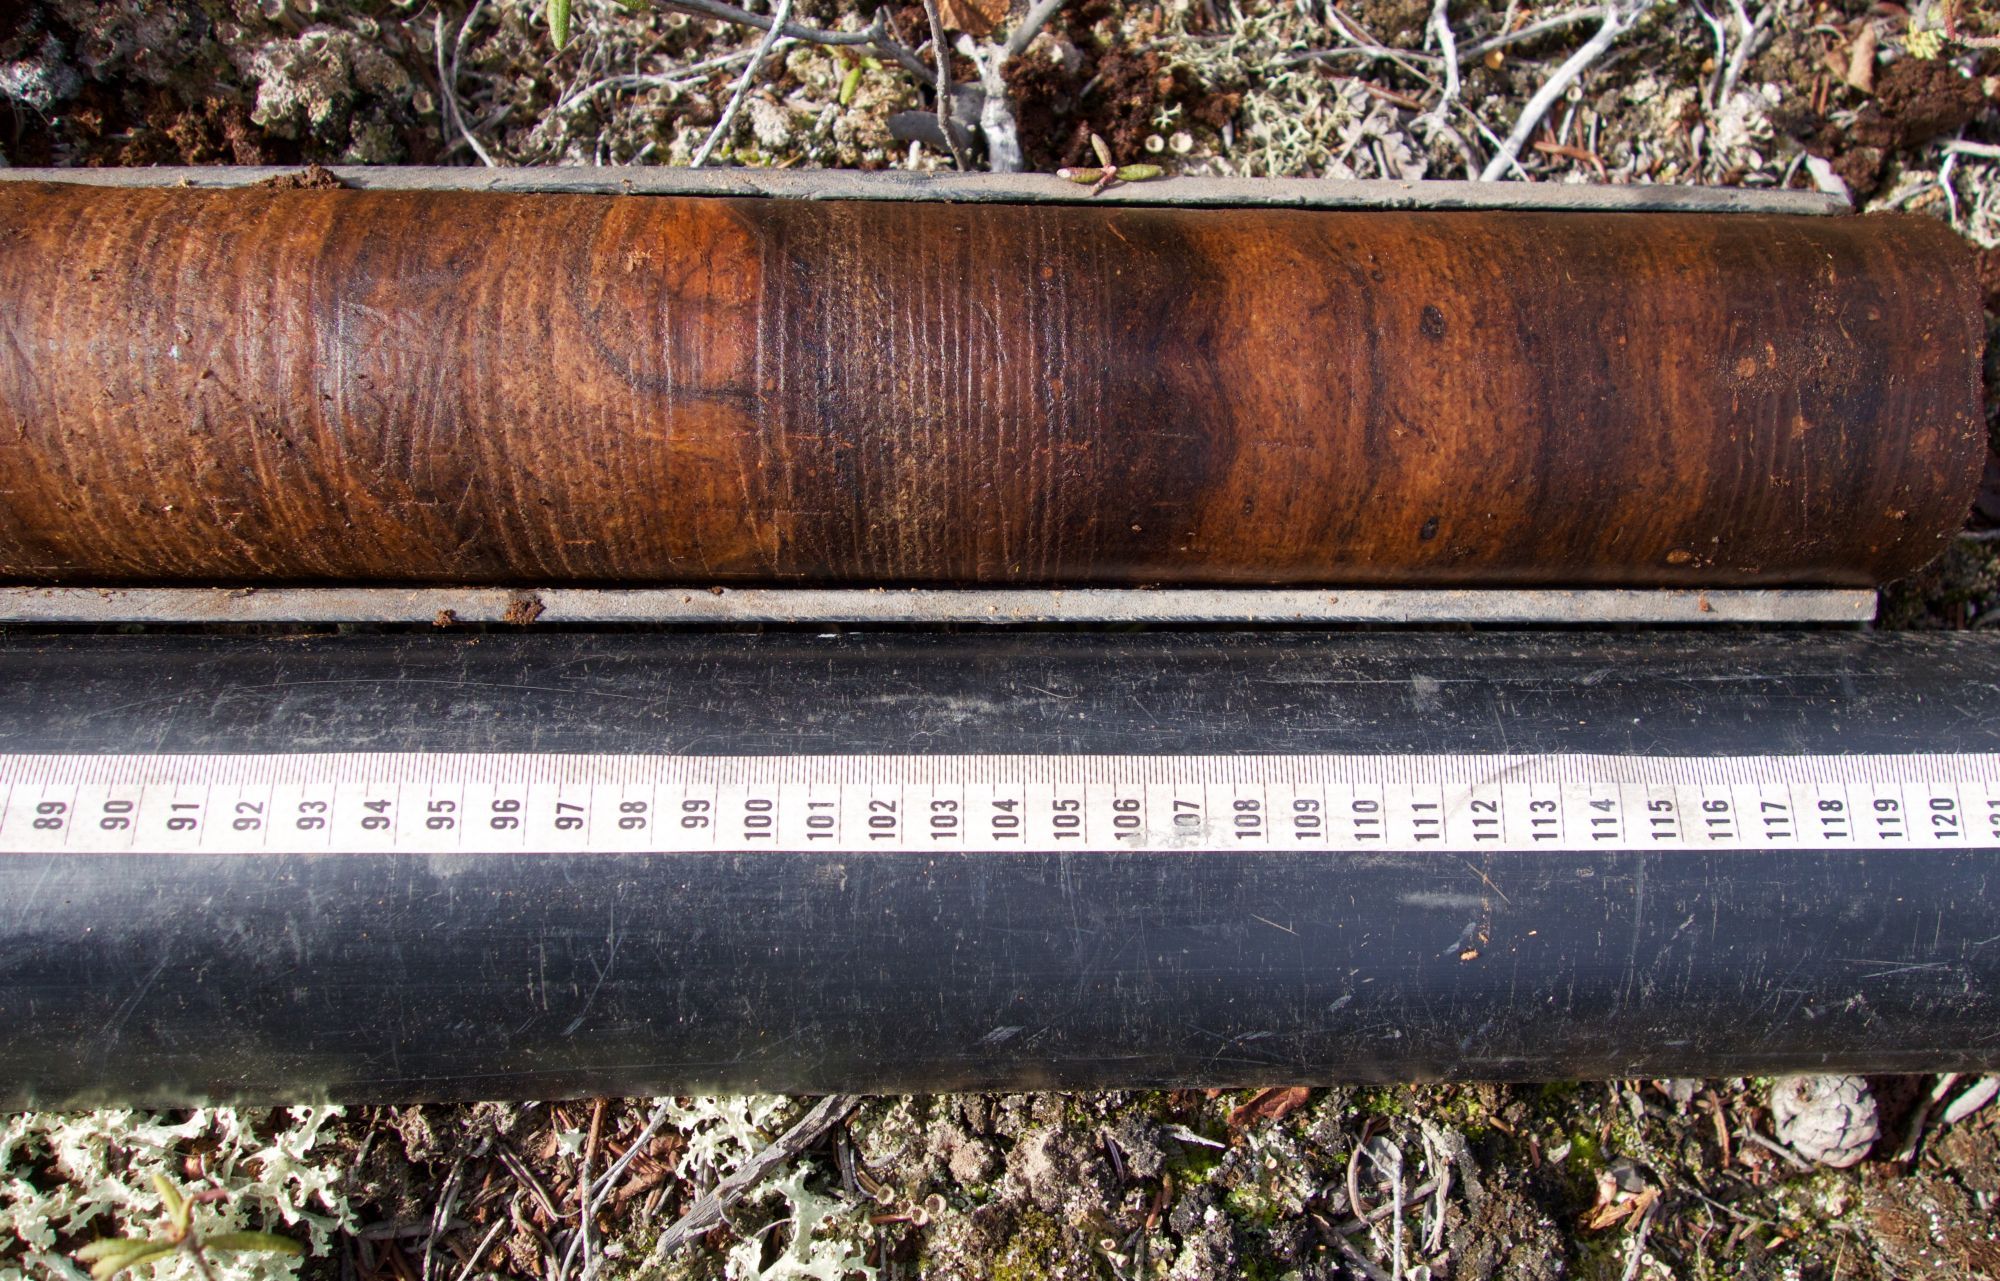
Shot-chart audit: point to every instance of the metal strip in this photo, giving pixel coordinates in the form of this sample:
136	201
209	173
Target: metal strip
427	805
902	185
697	605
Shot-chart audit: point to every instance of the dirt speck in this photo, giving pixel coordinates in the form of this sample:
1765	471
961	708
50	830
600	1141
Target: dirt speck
311	178
523	610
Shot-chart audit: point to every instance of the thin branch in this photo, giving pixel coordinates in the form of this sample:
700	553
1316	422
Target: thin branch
609	1183
1720	34
1492	139
1436	119
1619	17
441	1214
448	80
1636	1250
996	114
1440	25
1796	1161
942	53
876	37
583	1216
1360	1262
1542	27
1367	53
1913	1135
1030	26
728	121
1978	150
485	1243
680	78
1356	34
1746	43
880	38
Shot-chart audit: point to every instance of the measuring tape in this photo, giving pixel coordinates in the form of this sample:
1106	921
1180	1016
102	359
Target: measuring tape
526	803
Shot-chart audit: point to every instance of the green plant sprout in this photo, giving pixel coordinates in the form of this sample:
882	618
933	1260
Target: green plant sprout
112	1255
1107	171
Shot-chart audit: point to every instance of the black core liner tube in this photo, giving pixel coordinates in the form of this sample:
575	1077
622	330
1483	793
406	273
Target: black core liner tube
161	980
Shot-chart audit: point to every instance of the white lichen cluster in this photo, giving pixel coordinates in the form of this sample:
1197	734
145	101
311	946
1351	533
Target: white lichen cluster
722	1131
308	85
1294	121
815	1249
819	1229
69	1178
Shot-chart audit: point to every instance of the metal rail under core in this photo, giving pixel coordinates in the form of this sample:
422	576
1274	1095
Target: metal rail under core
900	185
448	605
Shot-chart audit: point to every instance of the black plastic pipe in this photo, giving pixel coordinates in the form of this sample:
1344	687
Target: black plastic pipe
162	980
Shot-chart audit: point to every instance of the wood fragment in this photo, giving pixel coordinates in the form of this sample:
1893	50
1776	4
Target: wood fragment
642	448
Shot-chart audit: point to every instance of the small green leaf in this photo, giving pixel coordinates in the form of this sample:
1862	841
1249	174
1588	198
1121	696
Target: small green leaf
1139	173
141	1252
108	1246
170	1196
559	22
268	1242
849	84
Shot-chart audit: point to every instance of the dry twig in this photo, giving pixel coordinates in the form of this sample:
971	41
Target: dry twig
1619	17
941	52
1748	33
1638	1246
875	37
728	121
441	1214
485	1244
453	112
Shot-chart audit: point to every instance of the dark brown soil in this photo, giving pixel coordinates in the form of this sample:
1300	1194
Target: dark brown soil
1114	92
1915	102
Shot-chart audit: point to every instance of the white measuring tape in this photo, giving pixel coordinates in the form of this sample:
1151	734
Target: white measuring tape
473	804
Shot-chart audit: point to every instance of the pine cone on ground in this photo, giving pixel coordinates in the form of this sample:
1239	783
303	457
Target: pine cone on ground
1828	1119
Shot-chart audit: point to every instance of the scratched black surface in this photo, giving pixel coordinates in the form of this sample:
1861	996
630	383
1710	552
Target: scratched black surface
165	980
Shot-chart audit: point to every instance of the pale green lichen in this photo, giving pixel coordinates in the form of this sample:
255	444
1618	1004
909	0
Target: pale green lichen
68	1178
1293	120
823	1233
812	1251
